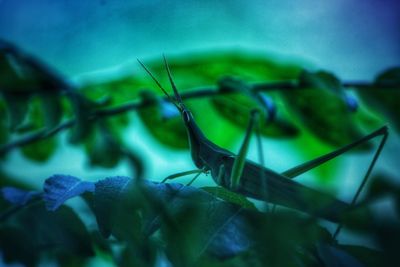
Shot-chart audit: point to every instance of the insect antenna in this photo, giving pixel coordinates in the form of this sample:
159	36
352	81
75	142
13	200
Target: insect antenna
159	84
177	95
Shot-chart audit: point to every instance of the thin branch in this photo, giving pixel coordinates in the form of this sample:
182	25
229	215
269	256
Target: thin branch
190	94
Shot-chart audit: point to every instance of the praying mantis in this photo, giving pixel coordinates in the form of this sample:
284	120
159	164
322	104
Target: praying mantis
250	179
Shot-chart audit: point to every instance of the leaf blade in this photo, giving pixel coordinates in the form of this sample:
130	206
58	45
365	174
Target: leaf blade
59	188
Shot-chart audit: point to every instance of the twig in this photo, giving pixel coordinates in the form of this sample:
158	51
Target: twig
192	94
36	136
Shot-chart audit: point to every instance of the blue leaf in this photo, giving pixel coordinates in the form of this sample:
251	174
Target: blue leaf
60	188
107	196
17	196
227	231
224	228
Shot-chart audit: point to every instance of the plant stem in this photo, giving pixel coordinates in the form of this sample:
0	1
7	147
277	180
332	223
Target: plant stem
192	94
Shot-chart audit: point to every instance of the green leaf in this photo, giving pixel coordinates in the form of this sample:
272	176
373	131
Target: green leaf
265	104
8	180
236	109
324	114
43	149
285	238
118	90
37	232
206	68
102	148
17	246
199	224
324	80
35	117
17	109
112	214
167	129
52	109
14	75
382	185
62	228
384	94
4	133
83	110
390	77
142	254
193	71
40	151
167	206
23	73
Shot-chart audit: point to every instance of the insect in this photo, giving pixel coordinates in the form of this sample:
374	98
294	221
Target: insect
250	179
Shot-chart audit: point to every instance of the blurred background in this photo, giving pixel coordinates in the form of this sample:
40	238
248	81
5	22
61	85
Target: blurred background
94	45
78	38
99	40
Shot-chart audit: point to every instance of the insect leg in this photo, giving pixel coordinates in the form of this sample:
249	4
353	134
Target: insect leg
180	174
240	159
203	170
221	172
366	176
293	172
262	163
302	168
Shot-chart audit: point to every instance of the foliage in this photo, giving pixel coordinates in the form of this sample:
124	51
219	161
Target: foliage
143	223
